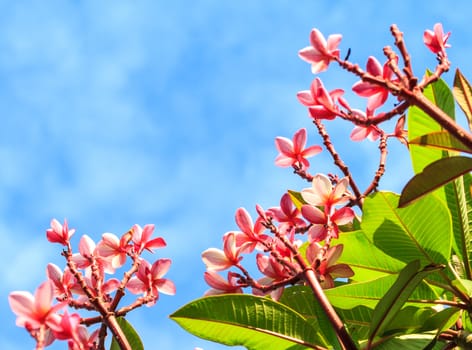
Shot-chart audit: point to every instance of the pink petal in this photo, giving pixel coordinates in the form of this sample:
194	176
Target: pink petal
244	221
306	98
343	216
283	161
299	140
374	67
333	43
313	214
311	151
318	42
160	268
167	287
284	145
215	259
359	133
155	243
43	297
86	246
136	286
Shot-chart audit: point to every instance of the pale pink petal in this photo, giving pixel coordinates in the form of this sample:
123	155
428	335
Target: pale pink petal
22	304
155	243
86	246
311	151
136	286
306	98
283	161
299	140
340	190
313	214
343	216
359	133
111	285
166	286
43	297
244	221
374	67
160	268
284	145
333	42
215	259
317	233
312	252
318	41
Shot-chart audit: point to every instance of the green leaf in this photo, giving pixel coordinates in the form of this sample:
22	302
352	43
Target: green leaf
420	123
369	293
422	230
434	176
408	342
463	93
440	140
297	199
372	263
131	335
302	300
458	199
254	322
388	307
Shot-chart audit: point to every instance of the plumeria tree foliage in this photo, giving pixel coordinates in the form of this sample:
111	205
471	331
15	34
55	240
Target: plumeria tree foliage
349	268
335	266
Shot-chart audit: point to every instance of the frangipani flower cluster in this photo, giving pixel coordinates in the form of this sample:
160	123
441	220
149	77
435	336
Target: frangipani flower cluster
84	284
312	219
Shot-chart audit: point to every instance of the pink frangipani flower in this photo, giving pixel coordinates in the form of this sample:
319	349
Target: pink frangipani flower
217	259
361	132
376	94
35	311
273	271
59	233
113	249
323	193
321	52
436	40
251	235
320	103
328	270
142	239
287	215
221	286
148	280
326	226
293	152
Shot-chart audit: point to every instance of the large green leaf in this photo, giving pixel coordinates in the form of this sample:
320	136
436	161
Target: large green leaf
254	322
420	123
423	230
434	176
463	93
459	202
369	293
440	140
408	342
131	335
391	303
372	263
302	300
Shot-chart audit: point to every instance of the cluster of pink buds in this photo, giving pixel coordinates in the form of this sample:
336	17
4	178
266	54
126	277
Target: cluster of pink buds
84	284
310	220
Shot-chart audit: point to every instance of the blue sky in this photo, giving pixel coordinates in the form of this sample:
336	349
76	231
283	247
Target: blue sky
165	112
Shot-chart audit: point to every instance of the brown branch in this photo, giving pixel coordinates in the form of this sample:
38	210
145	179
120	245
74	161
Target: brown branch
381	168
338	161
